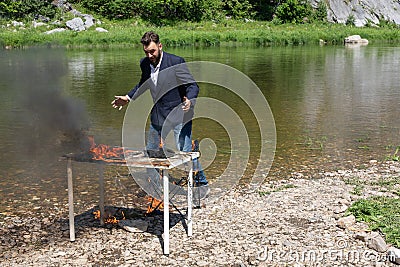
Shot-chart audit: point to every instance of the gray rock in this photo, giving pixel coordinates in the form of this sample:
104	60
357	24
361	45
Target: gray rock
346	222
394	255
340	209
76	13
134	226
99	29
362	236
56	22
355	39
76	24
17	23
89	21
377	243
55	30
38	24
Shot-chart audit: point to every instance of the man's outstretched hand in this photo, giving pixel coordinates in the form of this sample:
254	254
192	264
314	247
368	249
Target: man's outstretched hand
186	104
119	101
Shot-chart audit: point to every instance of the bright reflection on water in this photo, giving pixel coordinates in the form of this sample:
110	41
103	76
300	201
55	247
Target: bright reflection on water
334	107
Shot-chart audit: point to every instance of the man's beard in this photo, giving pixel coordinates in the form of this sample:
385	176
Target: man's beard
157	59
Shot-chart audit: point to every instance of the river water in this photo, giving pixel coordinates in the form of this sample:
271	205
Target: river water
334	107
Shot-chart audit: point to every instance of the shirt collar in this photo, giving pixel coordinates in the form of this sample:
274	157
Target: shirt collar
159	63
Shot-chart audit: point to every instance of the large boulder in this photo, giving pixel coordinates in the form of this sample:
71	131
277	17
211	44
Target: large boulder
363	11
355	39
76	24
89	20
394	255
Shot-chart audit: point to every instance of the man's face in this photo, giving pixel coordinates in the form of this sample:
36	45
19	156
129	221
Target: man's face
153	52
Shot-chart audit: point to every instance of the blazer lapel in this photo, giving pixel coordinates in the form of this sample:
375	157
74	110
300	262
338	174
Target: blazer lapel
161	81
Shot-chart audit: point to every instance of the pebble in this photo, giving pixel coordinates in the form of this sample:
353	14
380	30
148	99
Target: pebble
346	222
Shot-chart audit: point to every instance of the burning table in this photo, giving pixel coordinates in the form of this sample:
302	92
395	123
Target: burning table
105	155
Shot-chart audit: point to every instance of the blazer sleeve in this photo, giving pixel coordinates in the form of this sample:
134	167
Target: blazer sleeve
186	80
142	86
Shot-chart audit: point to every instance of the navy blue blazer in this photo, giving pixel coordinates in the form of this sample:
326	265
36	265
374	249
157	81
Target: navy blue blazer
174	82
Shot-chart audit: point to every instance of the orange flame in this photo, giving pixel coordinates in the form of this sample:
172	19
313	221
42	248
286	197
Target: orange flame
153	204
103	152
106	153
110	219
96	214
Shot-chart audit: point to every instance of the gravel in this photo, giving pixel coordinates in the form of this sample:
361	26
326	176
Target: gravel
292	222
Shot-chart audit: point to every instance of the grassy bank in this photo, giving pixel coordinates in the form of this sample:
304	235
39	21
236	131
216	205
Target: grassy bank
127	33
381	214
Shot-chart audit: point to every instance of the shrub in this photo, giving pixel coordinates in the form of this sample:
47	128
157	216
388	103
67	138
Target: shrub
116	9
238	9
350	20
26	9
157	11
264	9
9	9
293	11
321	12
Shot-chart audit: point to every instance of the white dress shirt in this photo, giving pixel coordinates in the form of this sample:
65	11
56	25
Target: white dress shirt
155	70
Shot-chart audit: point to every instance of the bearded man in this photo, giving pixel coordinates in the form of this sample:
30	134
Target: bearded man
174	93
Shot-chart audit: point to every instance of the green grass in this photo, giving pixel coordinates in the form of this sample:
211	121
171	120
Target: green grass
380	213
394	156
259	33
387	184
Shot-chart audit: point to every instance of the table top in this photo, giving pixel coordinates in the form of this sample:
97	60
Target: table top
140	160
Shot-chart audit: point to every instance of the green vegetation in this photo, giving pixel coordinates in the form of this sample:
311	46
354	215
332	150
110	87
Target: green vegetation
183	22
358	190
294	11
380	213
315	143
163	12
28	9
128	32
387	184
394	156
157	12
358	185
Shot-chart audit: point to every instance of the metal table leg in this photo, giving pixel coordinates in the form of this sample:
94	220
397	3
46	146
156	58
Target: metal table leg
190	200
70	202
166	211
101	189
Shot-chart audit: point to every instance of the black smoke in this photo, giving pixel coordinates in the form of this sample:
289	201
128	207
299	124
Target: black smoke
41	121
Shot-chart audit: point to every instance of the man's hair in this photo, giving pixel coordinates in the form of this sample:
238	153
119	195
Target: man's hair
149	37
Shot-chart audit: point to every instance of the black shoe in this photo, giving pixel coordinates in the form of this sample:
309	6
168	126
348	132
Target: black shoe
200	184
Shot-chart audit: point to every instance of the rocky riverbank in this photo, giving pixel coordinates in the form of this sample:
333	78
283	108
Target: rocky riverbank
291	222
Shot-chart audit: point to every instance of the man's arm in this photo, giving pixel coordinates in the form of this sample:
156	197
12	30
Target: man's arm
191	88
140	88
